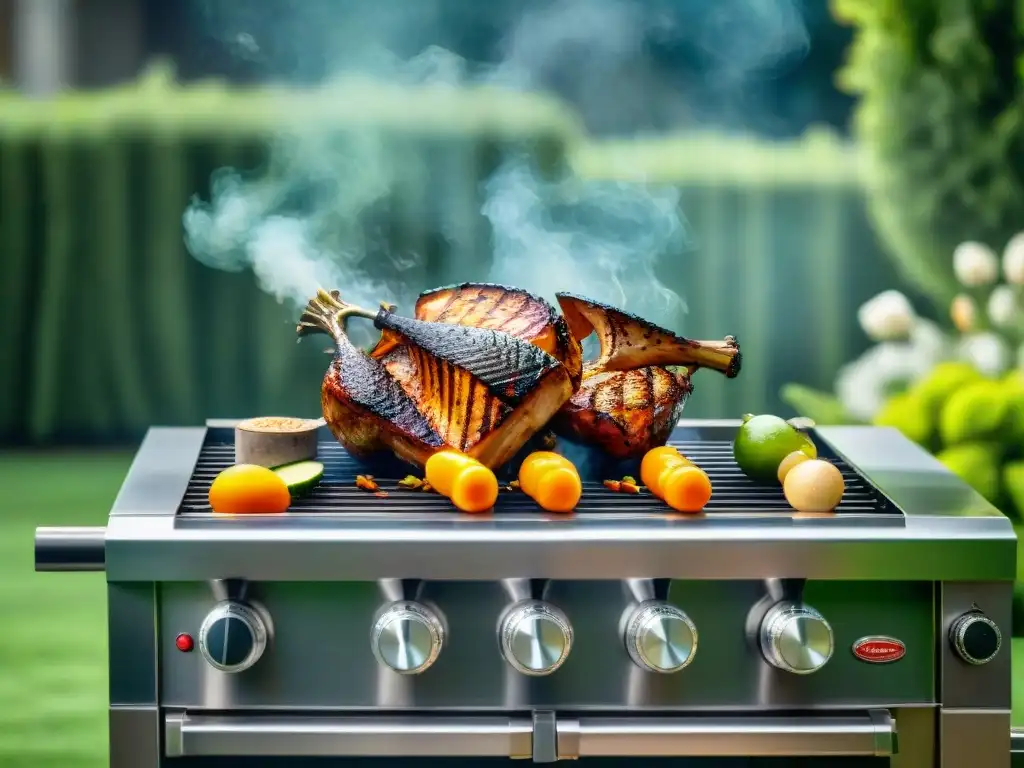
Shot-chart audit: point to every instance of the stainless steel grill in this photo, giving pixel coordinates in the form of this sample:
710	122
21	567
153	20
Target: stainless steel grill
359	627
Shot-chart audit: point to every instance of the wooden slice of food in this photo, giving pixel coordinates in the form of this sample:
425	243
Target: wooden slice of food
272	441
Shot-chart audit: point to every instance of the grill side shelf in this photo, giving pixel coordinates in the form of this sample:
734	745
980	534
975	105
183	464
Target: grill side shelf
733	493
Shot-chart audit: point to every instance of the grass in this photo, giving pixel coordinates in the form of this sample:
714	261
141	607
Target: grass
53	695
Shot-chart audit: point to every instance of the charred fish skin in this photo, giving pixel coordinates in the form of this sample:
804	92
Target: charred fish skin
508	366
628	341
361	402
508	309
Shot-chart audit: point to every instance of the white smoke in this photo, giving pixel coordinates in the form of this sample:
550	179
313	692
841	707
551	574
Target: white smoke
300	225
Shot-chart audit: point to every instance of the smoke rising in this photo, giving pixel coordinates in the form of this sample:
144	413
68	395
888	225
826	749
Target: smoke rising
301	223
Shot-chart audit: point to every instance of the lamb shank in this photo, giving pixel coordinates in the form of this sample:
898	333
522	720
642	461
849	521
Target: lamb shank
633	393
479	368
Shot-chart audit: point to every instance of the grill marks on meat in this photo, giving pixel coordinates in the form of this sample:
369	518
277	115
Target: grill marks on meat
625	413
634	392
460	408
484	391
509	367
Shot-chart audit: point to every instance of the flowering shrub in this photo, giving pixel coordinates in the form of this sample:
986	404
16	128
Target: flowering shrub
958	393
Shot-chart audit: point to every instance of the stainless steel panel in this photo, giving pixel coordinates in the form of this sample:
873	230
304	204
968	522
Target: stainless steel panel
950	533
963	685
132	643
917	736
320	655
160	472
864	734
974	738
295	736
134	737
870	734
77	548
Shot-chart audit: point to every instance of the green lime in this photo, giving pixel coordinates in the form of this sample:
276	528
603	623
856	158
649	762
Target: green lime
762	442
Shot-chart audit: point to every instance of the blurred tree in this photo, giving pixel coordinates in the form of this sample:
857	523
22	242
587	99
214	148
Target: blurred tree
942	117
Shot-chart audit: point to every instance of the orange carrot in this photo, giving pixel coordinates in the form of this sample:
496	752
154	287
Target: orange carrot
469	485
550	480
675	480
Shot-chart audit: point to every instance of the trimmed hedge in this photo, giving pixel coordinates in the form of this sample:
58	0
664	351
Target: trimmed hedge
113	327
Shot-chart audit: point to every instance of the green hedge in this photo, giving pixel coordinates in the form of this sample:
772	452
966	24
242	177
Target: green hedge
110	326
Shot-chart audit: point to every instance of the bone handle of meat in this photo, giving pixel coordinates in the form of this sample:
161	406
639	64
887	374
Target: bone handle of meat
723	356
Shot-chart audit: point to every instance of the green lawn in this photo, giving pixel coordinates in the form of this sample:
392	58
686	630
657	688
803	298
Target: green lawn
53	647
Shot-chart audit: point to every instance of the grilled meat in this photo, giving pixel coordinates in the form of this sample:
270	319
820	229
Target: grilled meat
633	393
428	385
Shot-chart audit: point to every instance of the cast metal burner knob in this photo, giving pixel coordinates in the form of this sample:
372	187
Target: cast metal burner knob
233	637
796	638
660	637
407	637
975	638
535	637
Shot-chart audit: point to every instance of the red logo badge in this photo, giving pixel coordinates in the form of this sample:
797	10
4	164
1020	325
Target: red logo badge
879	650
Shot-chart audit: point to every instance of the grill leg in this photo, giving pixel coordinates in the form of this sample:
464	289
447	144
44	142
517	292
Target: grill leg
974	738
134	713
915	731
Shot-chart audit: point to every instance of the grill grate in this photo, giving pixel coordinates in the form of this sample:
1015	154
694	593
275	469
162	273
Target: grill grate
733	493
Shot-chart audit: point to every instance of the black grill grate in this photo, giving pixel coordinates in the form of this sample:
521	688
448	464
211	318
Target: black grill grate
733	492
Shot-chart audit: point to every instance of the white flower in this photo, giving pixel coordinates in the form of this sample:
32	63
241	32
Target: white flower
1013	260
985	351
1002	306
887	317
864	385
963	313
975	264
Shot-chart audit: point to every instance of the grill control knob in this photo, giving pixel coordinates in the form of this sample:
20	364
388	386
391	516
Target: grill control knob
975	638
535	637
796	638
232	637
407	637
660	637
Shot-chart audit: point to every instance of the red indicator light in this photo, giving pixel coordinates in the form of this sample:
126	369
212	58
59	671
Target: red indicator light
184	643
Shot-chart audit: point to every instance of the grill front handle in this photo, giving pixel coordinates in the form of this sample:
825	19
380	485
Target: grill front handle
544	738
71	549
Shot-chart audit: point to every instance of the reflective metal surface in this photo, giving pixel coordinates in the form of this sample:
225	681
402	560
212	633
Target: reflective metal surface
321	655
536	637
869	733
948	532
660	637
70	549
796	638
407	637
232	637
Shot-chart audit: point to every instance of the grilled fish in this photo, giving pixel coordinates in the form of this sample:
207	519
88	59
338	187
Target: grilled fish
634	392
430	384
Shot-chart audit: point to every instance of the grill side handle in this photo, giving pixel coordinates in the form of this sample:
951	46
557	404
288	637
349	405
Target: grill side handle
71	549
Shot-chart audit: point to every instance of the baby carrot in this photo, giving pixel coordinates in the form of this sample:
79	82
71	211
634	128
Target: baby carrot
551	480
469	485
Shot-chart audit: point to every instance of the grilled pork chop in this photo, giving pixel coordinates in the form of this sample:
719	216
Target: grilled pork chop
484	389
634	392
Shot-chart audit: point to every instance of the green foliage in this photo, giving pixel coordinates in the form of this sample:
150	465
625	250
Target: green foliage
942	120
975	412
977	464
823	408
909	413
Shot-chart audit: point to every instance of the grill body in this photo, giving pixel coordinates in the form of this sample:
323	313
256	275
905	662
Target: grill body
909	554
